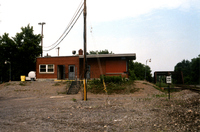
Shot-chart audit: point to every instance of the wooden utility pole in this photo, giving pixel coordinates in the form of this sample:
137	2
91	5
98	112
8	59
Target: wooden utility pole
85	50
42	23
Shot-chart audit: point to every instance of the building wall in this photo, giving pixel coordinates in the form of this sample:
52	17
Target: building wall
116	67
108	67
98	66
71	60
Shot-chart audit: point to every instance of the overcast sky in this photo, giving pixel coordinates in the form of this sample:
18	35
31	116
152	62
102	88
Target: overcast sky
167	31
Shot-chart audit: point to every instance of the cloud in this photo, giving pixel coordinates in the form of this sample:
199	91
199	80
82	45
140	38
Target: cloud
110	10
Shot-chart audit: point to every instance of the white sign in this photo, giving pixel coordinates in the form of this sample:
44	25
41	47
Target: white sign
169	79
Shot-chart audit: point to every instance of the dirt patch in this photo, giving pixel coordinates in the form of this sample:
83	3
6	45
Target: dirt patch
40	106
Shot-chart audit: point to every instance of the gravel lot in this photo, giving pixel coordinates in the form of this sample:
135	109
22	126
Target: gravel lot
42	106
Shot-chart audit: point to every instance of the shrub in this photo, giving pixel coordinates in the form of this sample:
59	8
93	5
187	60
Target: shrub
114	84
113	79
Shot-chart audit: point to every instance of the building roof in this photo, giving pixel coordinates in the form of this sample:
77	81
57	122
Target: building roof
128	56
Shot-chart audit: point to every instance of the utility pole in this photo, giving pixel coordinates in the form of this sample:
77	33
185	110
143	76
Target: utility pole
58	50
42	23
85	50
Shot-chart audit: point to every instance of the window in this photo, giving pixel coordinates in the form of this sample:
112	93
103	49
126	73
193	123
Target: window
47	68
71	69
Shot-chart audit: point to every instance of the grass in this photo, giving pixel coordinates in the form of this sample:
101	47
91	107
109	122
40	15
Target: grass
21	90
145	83
23	83
124	87
160	95
164	85
144	99
74	100
61	82
7	84
57	84
61	92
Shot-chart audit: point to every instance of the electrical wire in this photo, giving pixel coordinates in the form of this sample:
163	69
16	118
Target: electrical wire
75	15
66	33
70	23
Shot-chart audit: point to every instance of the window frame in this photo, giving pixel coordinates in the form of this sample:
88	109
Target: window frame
47	68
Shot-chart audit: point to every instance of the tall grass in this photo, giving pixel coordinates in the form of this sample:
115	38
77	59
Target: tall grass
114	84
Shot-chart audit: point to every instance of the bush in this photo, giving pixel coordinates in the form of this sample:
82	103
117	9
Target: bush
113	79
114	84
132	75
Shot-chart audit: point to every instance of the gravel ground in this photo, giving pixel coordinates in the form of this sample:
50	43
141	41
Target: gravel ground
42	106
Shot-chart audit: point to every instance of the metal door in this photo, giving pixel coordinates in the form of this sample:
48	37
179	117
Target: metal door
71	72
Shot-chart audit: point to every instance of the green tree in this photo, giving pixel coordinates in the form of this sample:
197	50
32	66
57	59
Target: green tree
185	67
7	52
195	70
101	52
28	49
190	70
21	51
138	70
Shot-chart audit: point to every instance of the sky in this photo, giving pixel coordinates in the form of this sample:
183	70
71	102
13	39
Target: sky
165	31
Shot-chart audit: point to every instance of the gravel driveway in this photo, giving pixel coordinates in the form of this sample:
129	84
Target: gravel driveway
43	106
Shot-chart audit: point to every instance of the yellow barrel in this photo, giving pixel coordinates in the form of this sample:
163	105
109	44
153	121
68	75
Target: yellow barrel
23	78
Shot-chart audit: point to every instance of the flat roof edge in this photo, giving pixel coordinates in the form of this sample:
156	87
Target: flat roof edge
108	55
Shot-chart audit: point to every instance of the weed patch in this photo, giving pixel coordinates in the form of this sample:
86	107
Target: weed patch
61	83
23	83
57	84
124	87
21	90
160	95
74	100
7	84
61	92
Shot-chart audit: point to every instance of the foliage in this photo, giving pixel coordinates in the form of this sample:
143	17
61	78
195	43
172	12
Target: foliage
113	79
101	52
7	52
190	69
21	51
74	100
132	75
113	85
137	71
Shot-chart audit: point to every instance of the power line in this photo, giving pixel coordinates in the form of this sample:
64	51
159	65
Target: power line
70	23
66	33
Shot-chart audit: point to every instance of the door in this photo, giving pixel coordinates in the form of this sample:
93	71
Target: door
71	72
61	72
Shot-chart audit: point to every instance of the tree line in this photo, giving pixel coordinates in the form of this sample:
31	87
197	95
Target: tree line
190	70
19	52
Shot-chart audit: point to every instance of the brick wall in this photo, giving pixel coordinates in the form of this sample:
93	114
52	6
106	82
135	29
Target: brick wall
100	66
108	67
71	60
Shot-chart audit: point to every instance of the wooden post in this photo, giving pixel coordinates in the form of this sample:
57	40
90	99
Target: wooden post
85	51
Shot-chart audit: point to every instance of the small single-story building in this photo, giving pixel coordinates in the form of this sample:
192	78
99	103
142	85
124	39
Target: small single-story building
71	67
160	76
